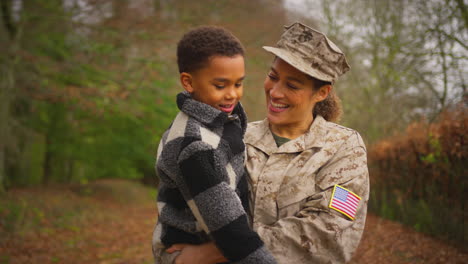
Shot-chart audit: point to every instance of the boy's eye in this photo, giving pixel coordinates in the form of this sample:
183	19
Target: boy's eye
219	86
238	85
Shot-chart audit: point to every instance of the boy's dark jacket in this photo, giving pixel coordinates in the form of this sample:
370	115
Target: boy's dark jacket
203	192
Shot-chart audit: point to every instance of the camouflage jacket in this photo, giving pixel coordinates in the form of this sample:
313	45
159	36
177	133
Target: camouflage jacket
291	187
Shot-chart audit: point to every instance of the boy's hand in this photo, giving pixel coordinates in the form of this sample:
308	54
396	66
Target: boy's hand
206	253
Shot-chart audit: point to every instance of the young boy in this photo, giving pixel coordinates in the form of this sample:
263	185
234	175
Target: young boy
203	192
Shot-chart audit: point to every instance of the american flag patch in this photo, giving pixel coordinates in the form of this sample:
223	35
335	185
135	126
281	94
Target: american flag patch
344	201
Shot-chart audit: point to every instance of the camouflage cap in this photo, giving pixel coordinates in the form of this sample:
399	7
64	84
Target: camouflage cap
311	52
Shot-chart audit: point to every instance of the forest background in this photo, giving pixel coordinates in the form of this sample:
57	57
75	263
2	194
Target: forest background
88	87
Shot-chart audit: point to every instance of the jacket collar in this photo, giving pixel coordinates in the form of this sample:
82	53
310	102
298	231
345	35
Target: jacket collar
208	115
259	135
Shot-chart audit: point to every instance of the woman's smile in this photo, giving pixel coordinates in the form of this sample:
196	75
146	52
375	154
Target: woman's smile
277	108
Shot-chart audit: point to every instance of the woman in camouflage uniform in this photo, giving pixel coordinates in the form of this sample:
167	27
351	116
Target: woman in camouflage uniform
308	176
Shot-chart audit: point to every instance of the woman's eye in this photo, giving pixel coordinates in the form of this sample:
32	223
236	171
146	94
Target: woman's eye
272	77
292	86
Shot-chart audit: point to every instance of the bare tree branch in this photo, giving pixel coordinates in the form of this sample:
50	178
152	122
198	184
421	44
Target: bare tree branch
462	7
449	36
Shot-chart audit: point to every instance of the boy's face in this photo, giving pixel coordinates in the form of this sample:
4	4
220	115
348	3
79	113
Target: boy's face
219	84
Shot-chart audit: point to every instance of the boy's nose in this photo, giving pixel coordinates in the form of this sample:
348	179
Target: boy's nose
231	93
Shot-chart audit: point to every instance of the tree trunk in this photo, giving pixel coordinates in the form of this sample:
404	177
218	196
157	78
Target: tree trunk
7	85
47	161
4	119
6	17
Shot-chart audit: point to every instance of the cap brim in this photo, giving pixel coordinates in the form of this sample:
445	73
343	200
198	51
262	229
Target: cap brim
298	63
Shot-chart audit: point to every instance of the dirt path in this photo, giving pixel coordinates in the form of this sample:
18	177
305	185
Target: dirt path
121	233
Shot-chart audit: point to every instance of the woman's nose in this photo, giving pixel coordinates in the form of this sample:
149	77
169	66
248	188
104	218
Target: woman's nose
275	91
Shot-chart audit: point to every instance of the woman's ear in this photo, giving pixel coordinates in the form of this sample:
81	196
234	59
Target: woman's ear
323	92
186	81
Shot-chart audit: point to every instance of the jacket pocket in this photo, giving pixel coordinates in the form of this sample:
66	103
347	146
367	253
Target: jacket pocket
299	184
293	193
295	188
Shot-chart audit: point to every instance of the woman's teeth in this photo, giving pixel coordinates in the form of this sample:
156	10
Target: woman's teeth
278	105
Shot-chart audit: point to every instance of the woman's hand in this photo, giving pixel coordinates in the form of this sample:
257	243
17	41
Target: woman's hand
206	253
177	247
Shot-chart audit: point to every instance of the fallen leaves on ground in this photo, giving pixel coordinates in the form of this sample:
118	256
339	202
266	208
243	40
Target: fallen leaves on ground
390	242
116	221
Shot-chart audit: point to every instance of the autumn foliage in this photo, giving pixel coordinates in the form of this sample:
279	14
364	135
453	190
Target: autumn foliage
421	173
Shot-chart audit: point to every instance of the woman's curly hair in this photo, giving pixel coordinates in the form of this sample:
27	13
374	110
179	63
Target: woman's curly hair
197	46
330	108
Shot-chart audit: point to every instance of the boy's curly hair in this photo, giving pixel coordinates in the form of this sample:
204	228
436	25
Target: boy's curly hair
198	45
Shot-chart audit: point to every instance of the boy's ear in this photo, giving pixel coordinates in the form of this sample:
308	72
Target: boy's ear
323	92
186	81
